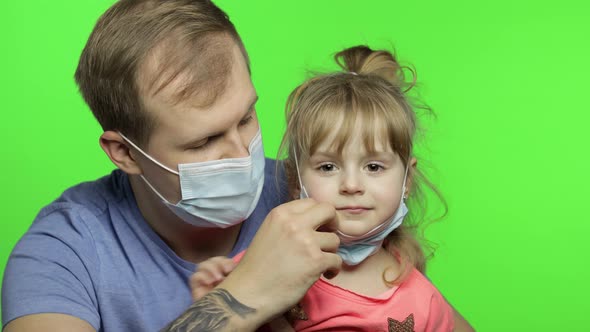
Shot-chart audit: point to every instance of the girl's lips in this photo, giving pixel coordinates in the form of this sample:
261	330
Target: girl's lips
353	209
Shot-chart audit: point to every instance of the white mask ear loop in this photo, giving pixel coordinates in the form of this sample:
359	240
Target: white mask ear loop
148	156
404	197
299	175
404	184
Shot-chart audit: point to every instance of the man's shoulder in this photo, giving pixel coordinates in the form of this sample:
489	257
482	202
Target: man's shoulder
85	208
275	184
88	249
273	167
93	196
83	222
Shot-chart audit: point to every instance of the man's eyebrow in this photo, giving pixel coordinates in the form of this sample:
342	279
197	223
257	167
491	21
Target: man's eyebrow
251	107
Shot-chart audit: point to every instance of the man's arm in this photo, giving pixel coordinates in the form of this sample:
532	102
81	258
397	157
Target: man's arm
49	273
285	258
49	322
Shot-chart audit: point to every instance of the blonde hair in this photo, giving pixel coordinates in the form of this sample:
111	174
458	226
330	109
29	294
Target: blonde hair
372	89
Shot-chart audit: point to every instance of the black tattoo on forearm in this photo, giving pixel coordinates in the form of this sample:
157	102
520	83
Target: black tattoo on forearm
211	313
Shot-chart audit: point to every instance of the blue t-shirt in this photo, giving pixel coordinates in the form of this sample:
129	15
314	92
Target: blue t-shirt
92	255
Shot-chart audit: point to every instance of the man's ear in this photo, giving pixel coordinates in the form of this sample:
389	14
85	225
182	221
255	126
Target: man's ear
413	163
118	151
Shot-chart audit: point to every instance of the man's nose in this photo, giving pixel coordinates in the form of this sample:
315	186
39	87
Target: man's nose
236	146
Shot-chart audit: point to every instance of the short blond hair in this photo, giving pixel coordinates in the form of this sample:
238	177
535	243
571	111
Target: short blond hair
191	39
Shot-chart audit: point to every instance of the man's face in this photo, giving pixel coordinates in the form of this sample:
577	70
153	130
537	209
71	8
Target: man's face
187	134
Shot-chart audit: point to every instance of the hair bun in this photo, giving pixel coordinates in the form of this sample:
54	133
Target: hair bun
365	61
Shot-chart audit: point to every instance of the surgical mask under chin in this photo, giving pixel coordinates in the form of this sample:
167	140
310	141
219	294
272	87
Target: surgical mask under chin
355	249
218	193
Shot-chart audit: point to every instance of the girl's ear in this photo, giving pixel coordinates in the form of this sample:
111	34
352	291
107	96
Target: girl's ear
413	163
296	192
116	148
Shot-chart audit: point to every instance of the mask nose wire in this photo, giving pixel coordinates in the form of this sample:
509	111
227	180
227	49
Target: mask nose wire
148	156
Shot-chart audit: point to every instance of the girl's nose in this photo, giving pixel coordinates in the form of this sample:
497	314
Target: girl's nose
351	183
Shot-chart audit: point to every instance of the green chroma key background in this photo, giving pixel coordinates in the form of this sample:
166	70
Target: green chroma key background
507	79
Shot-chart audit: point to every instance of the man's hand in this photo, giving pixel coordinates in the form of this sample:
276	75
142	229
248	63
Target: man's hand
293	247
287	255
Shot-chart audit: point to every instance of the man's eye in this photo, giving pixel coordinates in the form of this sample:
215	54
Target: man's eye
245	121
198	147
202	144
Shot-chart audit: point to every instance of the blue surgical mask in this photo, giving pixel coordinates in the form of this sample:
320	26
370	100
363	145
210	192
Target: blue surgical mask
218	193
355	249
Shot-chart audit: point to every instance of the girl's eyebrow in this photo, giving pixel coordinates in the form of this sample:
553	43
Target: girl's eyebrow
382	155
323	155
327	154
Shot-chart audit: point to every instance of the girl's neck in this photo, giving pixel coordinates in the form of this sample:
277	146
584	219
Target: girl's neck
366	278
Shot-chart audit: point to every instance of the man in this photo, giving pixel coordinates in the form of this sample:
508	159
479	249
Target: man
169	83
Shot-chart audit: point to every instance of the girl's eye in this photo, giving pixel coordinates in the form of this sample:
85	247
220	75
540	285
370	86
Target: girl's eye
374	167
327	167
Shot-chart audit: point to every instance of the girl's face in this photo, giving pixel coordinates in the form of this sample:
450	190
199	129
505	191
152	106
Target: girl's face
364	187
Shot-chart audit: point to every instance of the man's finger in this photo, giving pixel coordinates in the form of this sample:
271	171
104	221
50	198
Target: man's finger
299	205
333	265
328	242
322	215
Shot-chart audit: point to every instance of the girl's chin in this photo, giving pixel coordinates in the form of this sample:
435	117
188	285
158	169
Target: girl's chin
354	228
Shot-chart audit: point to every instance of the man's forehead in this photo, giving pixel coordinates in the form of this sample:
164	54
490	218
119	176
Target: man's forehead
237	90
188	120
198	72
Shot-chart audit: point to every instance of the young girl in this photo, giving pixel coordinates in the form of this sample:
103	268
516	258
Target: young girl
349	142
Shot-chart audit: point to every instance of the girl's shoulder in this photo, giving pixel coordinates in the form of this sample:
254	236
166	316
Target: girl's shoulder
418	286
417	279
438	312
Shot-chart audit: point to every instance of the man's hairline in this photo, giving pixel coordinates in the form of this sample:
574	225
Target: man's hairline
145	97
